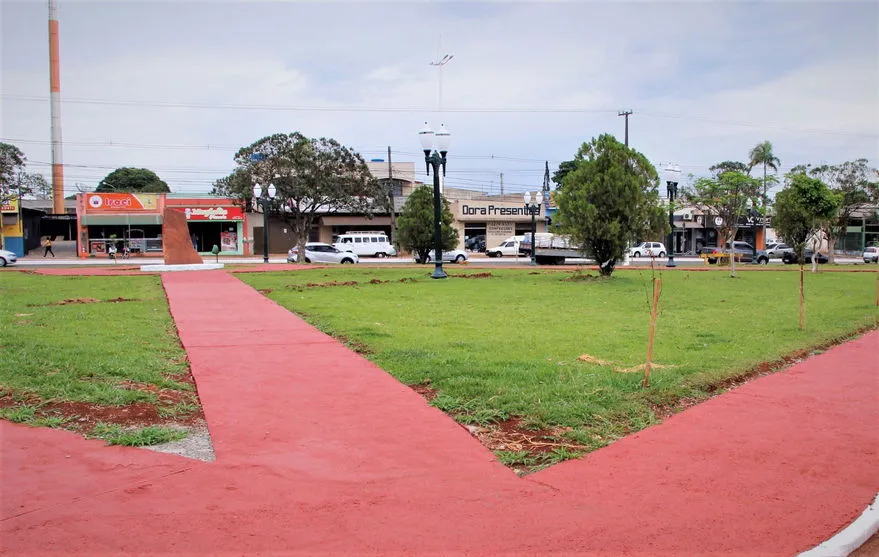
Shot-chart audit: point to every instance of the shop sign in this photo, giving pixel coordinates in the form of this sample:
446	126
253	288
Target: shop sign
9	206
122	201
471	210
213	213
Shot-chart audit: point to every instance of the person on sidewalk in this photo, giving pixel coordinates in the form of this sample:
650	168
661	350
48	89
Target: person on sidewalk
48	245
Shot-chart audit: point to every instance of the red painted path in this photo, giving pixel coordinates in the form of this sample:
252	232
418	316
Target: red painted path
320	452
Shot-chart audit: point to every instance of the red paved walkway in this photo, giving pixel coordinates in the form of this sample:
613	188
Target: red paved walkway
320	452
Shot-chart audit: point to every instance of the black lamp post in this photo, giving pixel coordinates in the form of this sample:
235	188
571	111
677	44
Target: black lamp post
264	199
671	181
532	205
436	159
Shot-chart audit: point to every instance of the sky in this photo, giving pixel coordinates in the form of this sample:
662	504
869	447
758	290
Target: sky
179	87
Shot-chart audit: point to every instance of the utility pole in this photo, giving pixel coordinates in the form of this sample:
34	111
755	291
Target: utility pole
391	200
626	114
502	183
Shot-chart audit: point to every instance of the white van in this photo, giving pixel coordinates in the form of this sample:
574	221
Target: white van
365	244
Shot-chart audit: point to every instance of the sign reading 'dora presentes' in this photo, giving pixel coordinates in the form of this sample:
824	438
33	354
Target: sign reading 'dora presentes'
482	210
212	213
96	202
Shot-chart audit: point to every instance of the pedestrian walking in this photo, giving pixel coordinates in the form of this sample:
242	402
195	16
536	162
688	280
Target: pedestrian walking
48	245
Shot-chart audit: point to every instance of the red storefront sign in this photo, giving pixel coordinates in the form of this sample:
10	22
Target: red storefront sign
212	213
121	202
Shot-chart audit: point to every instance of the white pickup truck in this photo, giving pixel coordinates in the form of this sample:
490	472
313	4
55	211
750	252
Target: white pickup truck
510	248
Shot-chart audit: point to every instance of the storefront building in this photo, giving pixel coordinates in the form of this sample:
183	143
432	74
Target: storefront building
495	217
12	229
134	220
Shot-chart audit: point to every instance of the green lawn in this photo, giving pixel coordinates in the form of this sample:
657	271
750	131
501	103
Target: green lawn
507	345
93	350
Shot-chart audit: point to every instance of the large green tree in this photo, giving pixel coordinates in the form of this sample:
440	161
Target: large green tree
132	180
565	168
857	185
312	177
726	196
801	211
415	225
608	200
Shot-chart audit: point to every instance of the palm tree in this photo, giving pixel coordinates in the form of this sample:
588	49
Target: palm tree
762	154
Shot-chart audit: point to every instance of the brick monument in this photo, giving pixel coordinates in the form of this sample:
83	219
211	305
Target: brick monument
176	242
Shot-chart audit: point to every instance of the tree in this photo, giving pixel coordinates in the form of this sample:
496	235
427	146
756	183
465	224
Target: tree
800	212
726	196
762	154
36	185
312	177
727	166
415	226
12	162
855	181
132	180
610	199
565	168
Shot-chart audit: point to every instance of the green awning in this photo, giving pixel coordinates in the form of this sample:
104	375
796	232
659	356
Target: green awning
124	220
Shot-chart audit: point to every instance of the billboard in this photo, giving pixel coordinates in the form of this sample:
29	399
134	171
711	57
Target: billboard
10	206
212	213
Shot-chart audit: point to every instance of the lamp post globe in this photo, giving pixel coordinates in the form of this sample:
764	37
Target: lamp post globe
532	205
436	159
264	197
672	175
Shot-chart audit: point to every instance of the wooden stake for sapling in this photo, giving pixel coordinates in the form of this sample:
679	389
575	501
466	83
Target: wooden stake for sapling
802	300
657	288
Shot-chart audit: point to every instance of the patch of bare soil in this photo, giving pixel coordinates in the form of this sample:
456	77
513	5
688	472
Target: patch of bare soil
582	277
74	301
83	416
425	390
512	435
474	276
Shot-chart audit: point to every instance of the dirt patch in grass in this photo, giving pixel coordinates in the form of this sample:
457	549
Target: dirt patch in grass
474	276
265	290
354	345
74	301
425	390
582	277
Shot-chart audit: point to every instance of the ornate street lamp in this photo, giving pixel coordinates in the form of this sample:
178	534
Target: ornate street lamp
672	175
264	197
532	205
436	159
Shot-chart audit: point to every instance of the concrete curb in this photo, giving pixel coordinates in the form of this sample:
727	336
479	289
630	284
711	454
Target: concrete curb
852	537
190	267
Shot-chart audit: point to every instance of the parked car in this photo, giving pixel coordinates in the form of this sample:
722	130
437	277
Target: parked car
742	251
791	257
7	258
762	257
777	249
871	254
648	249
510	248
452	256
476	243
318	252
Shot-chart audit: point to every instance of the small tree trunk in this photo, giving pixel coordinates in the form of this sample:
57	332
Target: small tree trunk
831	243
732	257
814	261
657	289
802	298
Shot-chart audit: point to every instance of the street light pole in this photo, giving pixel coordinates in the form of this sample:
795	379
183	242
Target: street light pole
671	181
436	159
532	205
264	199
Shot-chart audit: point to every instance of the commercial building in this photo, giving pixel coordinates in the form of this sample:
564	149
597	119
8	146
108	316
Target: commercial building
135	220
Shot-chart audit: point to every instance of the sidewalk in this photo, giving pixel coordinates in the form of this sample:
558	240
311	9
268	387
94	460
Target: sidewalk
321	452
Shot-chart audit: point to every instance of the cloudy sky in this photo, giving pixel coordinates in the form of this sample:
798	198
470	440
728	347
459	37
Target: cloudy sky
178	87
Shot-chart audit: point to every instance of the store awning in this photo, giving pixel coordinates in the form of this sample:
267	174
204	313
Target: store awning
123	220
